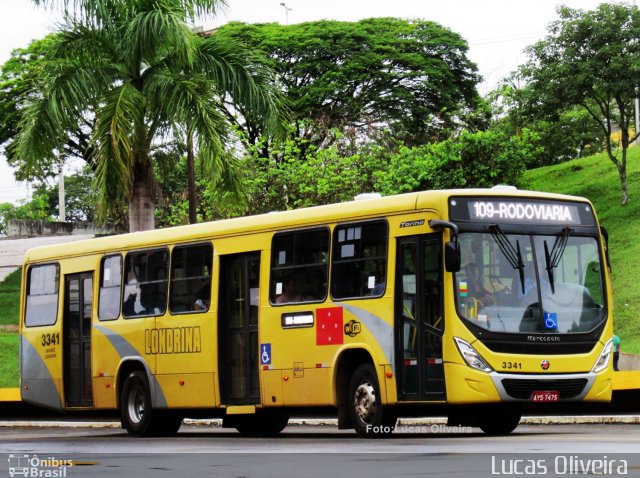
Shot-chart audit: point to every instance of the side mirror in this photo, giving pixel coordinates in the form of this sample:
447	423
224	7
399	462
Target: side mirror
452	256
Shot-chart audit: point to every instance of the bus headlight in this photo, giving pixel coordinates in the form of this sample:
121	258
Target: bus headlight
605	356
473	358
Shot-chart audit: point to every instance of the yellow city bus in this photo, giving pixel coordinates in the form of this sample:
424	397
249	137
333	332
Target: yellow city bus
471	303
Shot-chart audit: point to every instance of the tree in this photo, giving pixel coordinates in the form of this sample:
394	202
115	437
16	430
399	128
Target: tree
564	135
35	209
591	59
136	69
20	80
408	78
473	160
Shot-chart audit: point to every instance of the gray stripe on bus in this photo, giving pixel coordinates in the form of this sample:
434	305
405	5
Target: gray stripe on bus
41	389
381	330
128	351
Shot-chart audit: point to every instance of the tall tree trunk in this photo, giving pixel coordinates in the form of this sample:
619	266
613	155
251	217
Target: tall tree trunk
191	180
141	203
622	172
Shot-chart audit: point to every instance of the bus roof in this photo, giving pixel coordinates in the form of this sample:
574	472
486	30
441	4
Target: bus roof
297	218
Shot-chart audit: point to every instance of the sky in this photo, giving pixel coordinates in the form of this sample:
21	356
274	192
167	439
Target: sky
497	31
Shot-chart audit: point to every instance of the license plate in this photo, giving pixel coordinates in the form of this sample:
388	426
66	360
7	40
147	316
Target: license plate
545	396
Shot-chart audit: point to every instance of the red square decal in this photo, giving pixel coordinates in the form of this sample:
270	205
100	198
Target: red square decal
329	326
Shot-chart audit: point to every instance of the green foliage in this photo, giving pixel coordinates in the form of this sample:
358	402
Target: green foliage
410	77
35	209
324	176
328	175
19	80
481	159
590	59
131	76
10	298
563	135
80	198
573	134
592	178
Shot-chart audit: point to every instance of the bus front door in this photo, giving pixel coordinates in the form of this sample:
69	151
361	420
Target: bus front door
419	318
78	305
238	329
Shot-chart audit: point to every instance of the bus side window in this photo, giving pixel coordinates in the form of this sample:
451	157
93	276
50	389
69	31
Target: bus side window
359	260
299	266
190	278
42	295
110	288
145	290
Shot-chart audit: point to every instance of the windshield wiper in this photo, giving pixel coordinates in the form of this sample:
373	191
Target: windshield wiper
557	251
513	254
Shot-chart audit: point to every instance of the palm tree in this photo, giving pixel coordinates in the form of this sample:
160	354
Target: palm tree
146	79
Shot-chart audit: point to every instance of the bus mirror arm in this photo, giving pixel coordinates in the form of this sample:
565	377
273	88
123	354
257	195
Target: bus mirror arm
452	256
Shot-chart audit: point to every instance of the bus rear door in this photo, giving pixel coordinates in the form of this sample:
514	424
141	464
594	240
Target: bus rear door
238	329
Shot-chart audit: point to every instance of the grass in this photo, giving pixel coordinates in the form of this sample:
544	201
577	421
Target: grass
9	340
596	178
10	298
9	367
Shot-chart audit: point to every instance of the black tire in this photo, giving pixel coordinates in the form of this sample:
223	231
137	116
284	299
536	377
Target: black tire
137	414
499	420
262	424
369	418
166	423
135	404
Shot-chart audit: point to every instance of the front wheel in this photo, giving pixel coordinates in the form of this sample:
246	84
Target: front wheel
499	420
369	418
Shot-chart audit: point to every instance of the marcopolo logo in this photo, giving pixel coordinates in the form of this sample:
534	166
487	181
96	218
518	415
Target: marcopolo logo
36	467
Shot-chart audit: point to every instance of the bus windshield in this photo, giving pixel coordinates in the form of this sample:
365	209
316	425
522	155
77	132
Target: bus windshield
517	283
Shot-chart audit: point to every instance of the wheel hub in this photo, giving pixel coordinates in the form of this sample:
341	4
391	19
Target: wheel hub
136	405
365	401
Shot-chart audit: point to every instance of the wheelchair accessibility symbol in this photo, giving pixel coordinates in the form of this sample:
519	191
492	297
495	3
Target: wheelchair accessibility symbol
265	354
550	321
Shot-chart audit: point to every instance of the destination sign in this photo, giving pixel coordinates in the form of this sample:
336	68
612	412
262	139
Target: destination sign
521	211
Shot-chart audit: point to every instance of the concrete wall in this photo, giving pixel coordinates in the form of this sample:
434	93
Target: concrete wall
26	228
629	361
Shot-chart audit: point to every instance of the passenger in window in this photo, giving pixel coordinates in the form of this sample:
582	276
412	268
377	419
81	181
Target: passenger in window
476	285
151	300
131	305
128	308
378	289
290	291
203	298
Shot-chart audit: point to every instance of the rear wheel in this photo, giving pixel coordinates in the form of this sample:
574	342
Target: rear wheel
137	414
369	418
135	404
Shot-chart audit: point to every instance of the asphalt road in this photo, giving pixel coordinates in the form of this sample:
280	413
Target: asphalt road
323	451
